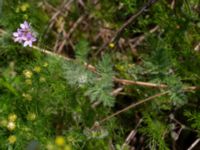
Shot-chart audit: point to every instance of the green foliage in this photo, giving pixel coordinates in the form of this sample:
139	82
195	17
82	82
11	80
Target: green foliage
194	119
82	50
101	89
77	75
130	5
54	103
176	93
155	131
97	87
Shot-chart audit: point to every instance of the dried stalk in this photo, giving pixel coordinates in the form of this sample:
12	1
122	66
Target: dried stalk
194	144
131	135
133	105
118	80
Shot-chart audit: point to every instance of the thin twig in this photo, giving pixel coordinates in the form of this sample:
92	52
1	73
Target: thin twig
117	91
75	25
50	53
118	80
194	144
151	85
146	84
57	13
133	105
126	24
67	35
131	135
88	66
141	38
60	10
2	31
50	6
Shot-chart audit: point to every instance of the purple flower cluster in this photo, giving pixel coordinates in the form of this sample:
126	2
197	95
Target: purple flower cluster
24	35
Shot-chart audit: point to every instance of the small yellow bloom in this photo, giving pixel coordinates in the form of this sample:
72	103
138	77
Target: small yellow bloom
37	69
27	73
111	45
12	117
120	67
24	7
31	116
60	141
27	96
12	139
11	126
45	64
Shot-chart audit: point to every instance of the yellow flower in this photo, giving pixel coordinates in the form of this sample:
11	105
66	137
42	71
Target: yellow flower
60	141
45	64
27	73
27	96
24	7
12	117
31	116
12	139
11	126
111	45
37	69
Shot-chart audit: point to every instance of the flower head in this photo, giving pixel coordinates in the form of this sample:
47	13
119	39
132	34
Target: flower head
12	117
37	69
111	45
11	126
18	36
25	26
28	74
12	139
60	141
29	39
27	96
31	116
24	7
24	35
